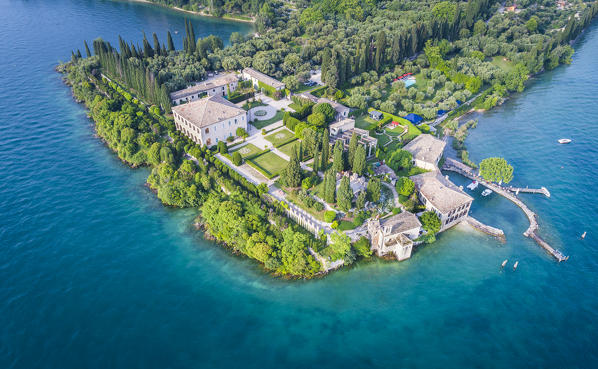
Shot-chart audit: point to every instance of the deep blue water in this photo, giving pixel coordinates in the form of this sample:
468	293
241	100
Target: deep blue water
95	273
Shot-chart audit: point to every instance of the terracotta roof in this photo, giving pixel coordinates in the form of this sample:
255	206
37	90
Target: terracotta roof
208	110
426	148
442	193
401	222
263	78
219	81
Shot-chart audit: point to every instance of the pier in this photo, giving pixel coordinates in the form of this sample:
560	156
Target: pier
507	192
492	231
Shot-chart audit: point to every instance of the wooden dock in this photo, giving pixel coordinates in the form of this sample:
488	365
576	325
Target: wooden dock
542	190
458	167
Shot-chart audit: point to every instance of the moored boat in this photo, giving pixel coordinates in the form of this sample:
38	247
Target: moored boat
473	185
504	263
486	192
515	265
564	140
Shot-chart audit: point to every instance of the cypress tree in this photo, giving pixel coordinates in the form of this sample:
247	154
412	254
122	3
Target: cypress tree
359	160
380	48
345	195
316	162
157	48
164	52
338	160
79	54
329	186
395	49
87	52
148	52
170	42
292	173
353	142
325	150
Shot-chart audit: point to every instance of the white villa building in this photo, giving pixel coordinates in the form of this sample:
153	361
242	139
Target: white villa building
209	120
394	235
426	150
220	85
255	77
443	197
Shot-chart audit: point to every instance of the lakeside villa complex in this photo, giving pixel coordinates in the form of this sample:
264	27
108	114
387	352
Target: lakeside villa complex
394	235
426	150
209	120
443	197
221	85
345	129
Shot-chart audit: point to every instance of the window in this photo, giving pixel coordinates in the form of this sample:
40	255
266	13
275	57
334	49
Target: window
207	130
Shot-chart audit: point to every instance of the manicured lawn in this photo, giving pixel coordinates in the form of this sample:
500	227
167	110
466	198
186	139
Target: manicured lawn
365	122
259	124
247	150
319	215
253	104
503	64
290	147
280	137
382	139
270	163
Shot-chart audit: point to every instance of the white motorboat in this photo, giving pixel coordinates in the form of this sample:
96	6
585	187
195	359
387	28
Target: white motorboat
486	192
564	140
473	185
504	263
515	265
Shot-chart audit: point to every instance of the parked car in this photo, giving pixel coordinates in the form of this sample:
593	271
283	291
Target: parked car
310	83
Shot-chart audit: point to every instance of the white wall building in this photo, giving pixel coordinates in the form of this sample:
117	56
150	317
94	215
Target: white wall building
220	85
255	77
426	150
209	120
394	235
443	197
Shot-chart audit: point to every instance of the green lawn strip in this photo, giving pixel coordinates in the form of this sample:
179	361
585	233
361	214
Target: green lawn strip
345	225
382	139
247	150
281	137
365	122
268	164
253	104
259	124
288	148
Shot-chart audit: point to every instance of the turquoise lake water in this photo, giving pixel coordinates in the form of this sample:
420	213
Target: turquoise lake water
96	273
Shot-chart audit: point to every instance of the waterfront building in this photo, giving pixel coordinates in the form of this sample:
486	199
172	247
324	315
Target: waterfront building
443	197
221	85
394	235
344	130
209	120
256	78
426	150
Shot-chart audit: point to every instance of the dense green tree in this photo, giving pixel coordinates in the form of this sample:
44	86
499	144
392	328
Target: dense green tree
400	159
338	160
170	42
496	170
405	186
360	202
340	247
291	176
345	195
374	189
353	142
430	222
359	160
330	186
325	150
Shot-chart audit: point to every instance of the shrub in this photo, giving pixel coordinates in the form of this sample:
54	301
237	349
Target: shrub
329	216
222	148
334	225
237	159
230	138
362	247
307	183
264	132
318	206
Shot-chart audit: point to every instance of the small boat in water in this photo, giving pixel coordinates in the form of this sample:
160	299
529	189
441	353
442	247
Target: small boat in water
515	265
504	263
473	185
564	140
583	235
486	192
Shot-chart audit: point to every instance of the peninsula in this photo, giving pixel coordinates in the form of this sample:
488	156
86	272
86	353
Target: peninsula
320	141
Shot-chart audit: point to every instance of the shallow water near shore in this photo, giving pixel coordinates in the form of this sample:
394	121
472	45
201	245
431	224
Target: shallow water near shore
96	273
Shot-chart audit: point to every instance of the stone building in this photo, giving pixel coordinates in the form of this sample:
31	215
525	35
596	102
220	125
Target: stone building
394	235
221	85
209	120
345	129
256	77
426	150
443	197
